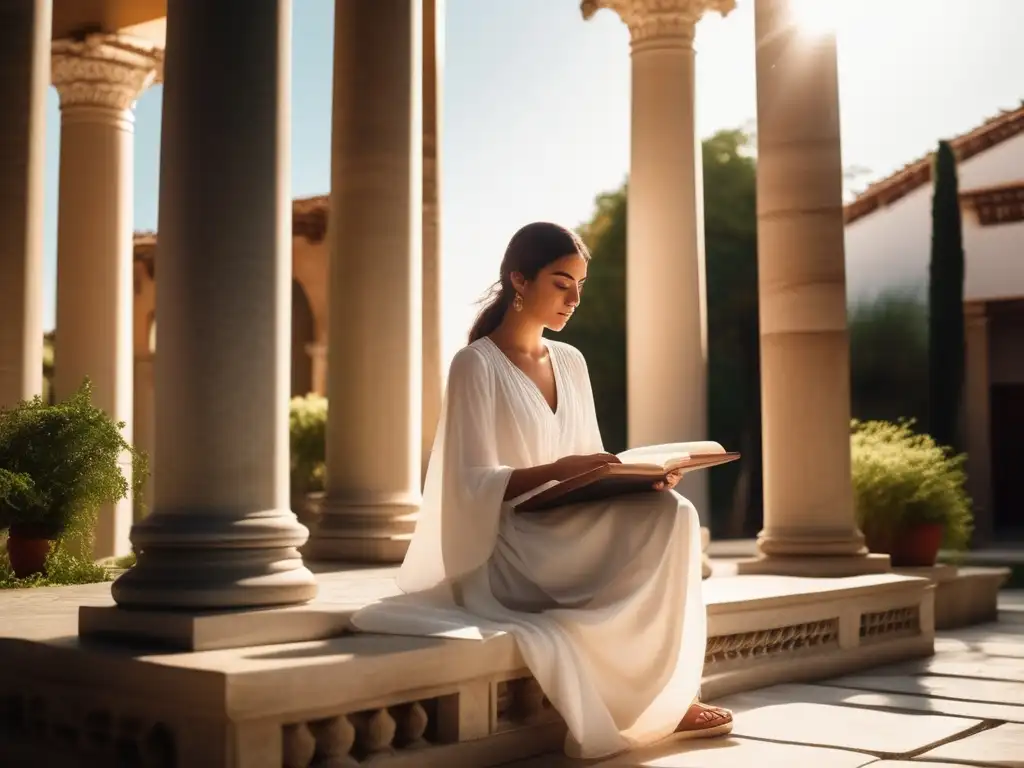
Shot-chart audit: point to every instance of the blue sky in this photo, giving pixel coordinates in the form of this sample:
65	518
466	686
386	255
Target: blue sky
536	109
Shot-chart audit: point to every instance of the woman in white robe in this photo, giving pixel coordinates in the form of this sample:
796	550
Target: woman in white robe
604	599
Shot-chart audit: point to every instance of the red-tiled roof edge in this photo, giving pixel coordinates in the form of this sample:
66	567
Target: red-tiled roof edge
993	131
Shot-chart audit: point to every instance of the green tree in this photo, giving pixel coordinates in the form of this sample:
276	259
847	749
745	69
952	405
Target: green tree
945	303
599	327
889	358
734	371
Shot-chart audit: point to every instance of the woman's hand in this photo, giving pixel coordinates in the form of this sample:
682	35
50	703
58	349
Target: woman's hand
523	480
671	481
570	466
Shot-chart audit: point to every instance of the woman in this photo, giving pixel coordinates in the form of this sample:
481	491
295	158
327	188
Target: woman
604	599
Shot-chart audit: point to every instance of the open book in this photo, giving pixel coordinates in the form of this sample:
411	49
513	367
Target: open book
640	470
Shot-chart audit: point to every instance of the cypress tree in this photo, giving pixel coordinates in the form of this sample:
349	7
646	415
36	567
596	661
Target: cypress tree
945	303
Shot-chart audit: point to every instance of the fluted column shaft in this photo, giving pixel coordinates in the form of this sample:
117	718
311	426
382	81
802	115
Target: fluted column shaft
375	380
809	524
666	383
98	80
221	534
433	297
25	64
665	276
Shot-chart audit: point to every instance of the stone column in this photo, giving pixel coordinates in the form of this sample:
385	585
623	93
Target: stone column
665	284
978	418
375	380
433	299
221	534
809	525
143	421
25	64
317	352
98	79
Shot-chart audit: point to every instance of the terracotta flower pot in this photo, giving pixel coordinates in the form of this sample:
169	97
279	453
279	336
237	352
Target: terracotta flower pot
27	554
915	546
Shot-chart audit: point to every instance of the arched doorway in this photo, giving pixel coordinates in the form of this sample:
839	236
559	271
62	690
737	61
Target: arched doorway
303	333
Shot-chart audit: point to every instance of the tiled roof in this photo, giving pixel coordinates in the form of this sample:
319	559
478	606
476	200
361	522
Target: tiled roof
994	131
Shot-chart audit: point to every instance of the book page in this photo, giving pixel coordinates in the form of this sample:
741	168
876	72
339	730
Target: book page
668	453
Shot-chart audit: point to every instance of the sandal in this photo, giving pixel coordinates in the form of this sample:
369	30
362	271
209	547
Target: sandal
702	721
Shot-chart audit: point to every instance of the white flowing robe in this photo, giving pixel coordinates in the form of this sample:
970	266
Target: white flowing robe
604	599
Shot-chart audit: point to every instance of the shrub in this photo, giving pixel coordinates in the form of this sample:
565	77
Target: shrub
62	568
902	478
62	464
307	424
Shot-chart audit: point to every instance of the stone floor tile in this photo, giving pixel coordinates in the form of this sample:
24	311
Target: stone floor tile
829	694
993	691
1002	639
717	753
1007	646
962	664
1000	746
882	733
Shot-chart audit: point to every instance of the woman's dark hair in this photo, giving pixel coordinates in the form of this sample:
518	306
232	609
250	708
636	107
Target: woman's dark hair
530	250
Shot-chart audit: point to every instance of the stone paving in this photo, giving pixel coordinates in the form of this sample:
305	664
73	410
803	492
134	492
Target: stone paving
964	706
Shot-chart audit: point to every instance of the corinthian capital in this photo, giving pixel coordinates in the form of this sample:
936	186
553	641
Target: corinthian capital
104	70
650	19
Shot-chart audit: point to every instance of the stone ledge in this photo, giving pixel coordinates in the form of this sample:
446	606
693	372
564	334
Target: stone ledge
814	628
963	596
420	701
327	616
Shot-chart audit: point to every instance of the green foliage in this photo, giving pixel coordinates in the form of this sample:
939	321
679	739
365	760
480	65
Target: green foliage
902	478
125	561
48	344
18	493
62	568
889	358
598	328
62	465
945	302
734	370
307	424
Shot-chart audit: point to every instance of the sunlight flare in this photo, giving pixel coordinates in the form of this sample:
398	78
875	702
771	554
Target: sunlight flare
815	17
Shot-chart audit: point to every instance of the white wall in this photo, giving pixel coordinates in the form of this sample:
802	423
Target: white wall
890	247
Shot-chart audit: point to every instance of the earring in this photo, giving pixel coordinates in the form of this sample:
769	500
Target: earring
517	303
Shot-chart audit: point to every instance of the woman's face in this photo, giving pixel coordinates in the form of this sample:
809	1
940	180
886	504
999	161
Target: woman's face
553	295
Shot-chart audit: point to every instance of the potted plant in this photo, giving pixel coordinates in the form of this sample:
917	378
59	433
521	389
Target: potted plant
307	427
61	463
909	493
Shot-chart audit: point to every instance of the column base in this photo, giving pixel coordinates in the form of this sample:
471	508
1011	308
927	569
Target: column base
212	560
821	566
362	533
213	630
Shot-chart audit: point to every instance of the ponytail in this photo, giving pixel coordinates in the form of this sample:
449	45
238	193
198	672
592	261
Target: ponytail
491	315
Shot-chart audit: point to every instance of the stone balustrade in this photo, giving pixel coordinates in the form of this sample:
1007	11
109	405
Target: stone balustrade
358	700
